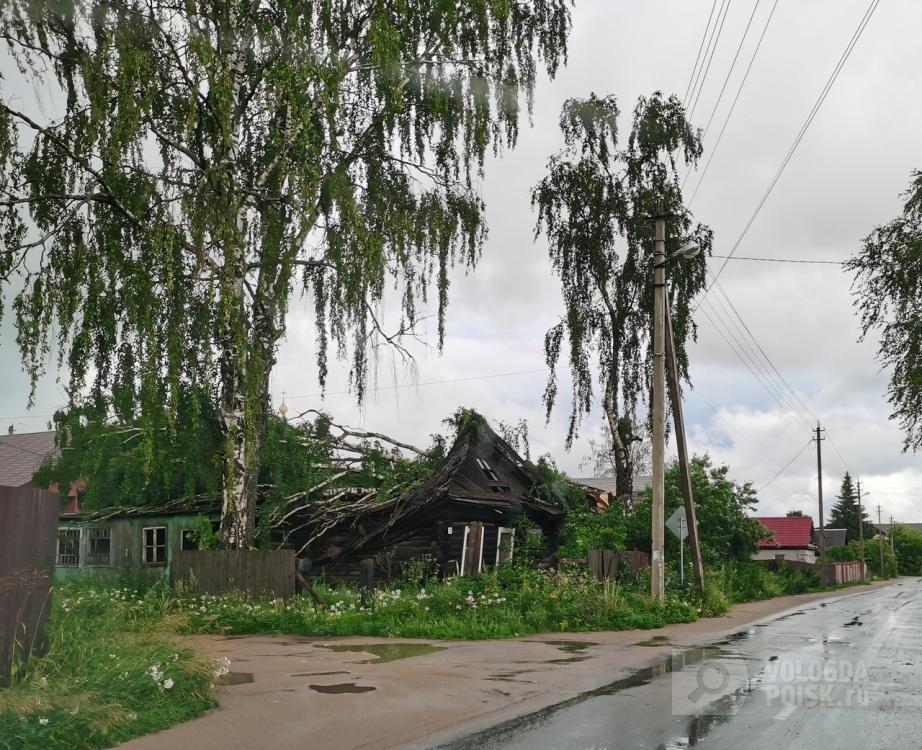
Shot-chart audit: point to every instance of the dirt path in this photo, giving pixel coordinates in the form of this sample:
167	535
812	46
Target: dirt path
358	692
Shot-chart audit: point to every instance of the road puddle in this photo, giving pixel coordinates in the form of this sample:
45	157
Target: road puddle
385	652
656	640
345	687
235	678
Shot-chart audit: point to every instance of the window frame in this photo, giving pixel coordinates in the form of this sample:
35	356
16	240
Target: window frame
93	534
491	475
182	540
70	531
510	531
145	546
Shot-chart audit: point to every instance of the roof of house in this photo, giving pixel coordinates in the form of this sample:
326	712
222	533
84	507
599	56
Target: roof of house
885	527
788	532
460	480
834	537
21	454
609	484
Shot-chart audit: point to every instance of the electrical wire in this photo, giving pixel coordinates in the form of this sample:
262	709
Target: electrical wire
419	385
800	135
733	105
700	47
782	260
719	29
785	467
723	88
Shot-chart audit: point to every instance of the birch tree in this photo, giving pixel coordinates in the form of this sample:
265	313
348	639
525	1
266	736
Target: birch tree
216	157
887	291
595	206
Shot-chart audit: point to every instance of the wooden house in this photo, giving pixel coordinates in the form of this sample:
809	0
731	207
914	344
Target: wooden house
465	516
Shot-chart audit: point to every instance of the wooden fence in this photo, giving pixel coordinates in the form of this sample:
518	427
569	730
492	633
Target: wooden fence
605	563
28	542
256	572
834	574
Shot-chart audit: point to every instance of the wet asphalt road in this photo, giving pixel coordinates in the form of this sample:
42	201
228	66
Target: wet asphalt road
839	674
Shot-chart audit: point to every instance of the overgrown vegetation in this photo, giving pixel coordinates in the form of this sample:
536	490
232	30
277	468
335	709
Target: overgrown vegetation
723	510
113	670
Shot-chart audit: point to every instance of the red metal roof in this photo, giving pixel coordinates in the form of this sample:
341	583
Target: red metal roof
788	532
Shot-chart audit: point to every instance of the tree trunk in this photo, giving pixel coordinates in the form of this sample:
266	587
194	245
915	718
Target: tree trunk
624	465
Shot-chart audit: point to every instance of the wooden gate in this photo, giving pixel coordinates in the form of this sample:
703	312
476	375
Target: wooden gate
28	540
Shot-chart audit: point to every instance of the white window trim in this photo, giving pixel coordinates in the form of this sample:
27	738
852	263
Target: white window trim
57	545
499	541
467	530
166	545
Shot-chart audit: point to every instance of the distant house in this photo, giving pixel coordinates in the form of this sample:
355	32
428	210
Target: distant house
790	538
21	453
141	541
604	490
834	537
884	528
465	516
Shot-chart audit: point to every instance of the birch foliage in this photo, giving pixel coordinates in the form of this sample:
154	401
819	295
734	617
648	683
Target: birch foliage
216	160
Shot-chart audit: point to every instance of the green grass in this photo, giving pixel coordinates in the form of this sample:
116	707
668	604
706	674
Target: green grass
113	670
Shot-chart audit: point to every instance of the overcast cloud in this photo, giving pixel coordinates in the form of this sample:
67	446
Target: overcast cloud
844	179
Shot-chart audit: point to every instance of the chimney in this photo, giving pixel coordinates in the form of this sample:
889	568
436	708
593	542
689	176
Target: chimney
10	430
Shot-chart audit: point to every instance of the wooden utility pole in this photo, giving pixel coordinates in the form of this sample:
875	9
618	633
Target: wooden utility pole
657	571
819	491
880	542
675	393
891	534
861	532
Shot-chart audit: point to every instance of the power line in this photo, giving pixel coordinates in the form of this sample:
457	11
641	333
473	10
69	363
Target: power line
733	429
723	88
733	105
800	135
782	260
700	47
419	385
785	467
725	7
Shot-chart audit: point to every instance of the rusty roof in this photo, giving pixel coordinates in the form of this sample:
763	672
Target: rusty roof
21	454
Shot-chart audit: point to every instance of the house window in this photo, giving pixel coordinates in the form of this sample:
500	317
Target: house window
68	547
505	541
155	545
488	470
100	547
190	540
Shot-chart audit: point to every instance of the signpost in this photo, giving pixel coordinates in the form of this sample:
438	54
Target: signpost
677	523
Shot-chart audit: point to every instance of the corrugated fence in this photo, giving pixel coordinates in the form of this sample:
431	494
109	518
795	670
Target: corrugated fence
257	572
28	541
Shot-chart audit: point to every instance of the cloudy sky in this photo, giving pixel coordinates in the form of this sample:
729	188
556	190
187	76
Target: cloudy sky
845	177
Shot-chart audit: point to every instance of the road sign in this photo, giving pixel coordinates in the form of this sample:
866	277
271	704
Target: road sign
677	523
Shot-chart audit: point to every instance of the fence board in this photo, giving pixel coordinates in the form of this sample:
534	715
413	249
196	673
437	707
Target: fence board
255	572
28	542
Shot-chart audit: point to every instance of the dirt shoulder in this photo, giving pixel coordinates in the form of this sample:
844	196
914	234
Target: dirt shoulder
358	692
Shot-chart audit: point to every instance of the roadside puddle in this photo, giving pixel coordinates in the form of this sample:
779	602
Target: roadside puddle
384	652
656	640
345	687
234	678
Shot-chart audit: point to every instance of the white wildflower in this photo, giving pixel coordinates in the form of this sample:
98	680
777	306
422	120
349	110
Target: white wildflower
167	683
43	720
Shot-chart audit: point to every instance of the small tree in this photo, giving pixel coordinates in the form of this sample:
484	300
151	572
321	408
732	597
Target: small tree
595	206
886	289
844	513
795	514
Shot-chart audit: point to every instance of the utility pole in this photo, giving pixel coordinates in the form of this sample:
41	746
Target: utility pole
819	491
891	534
657	578
675	393
880	543
864	565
